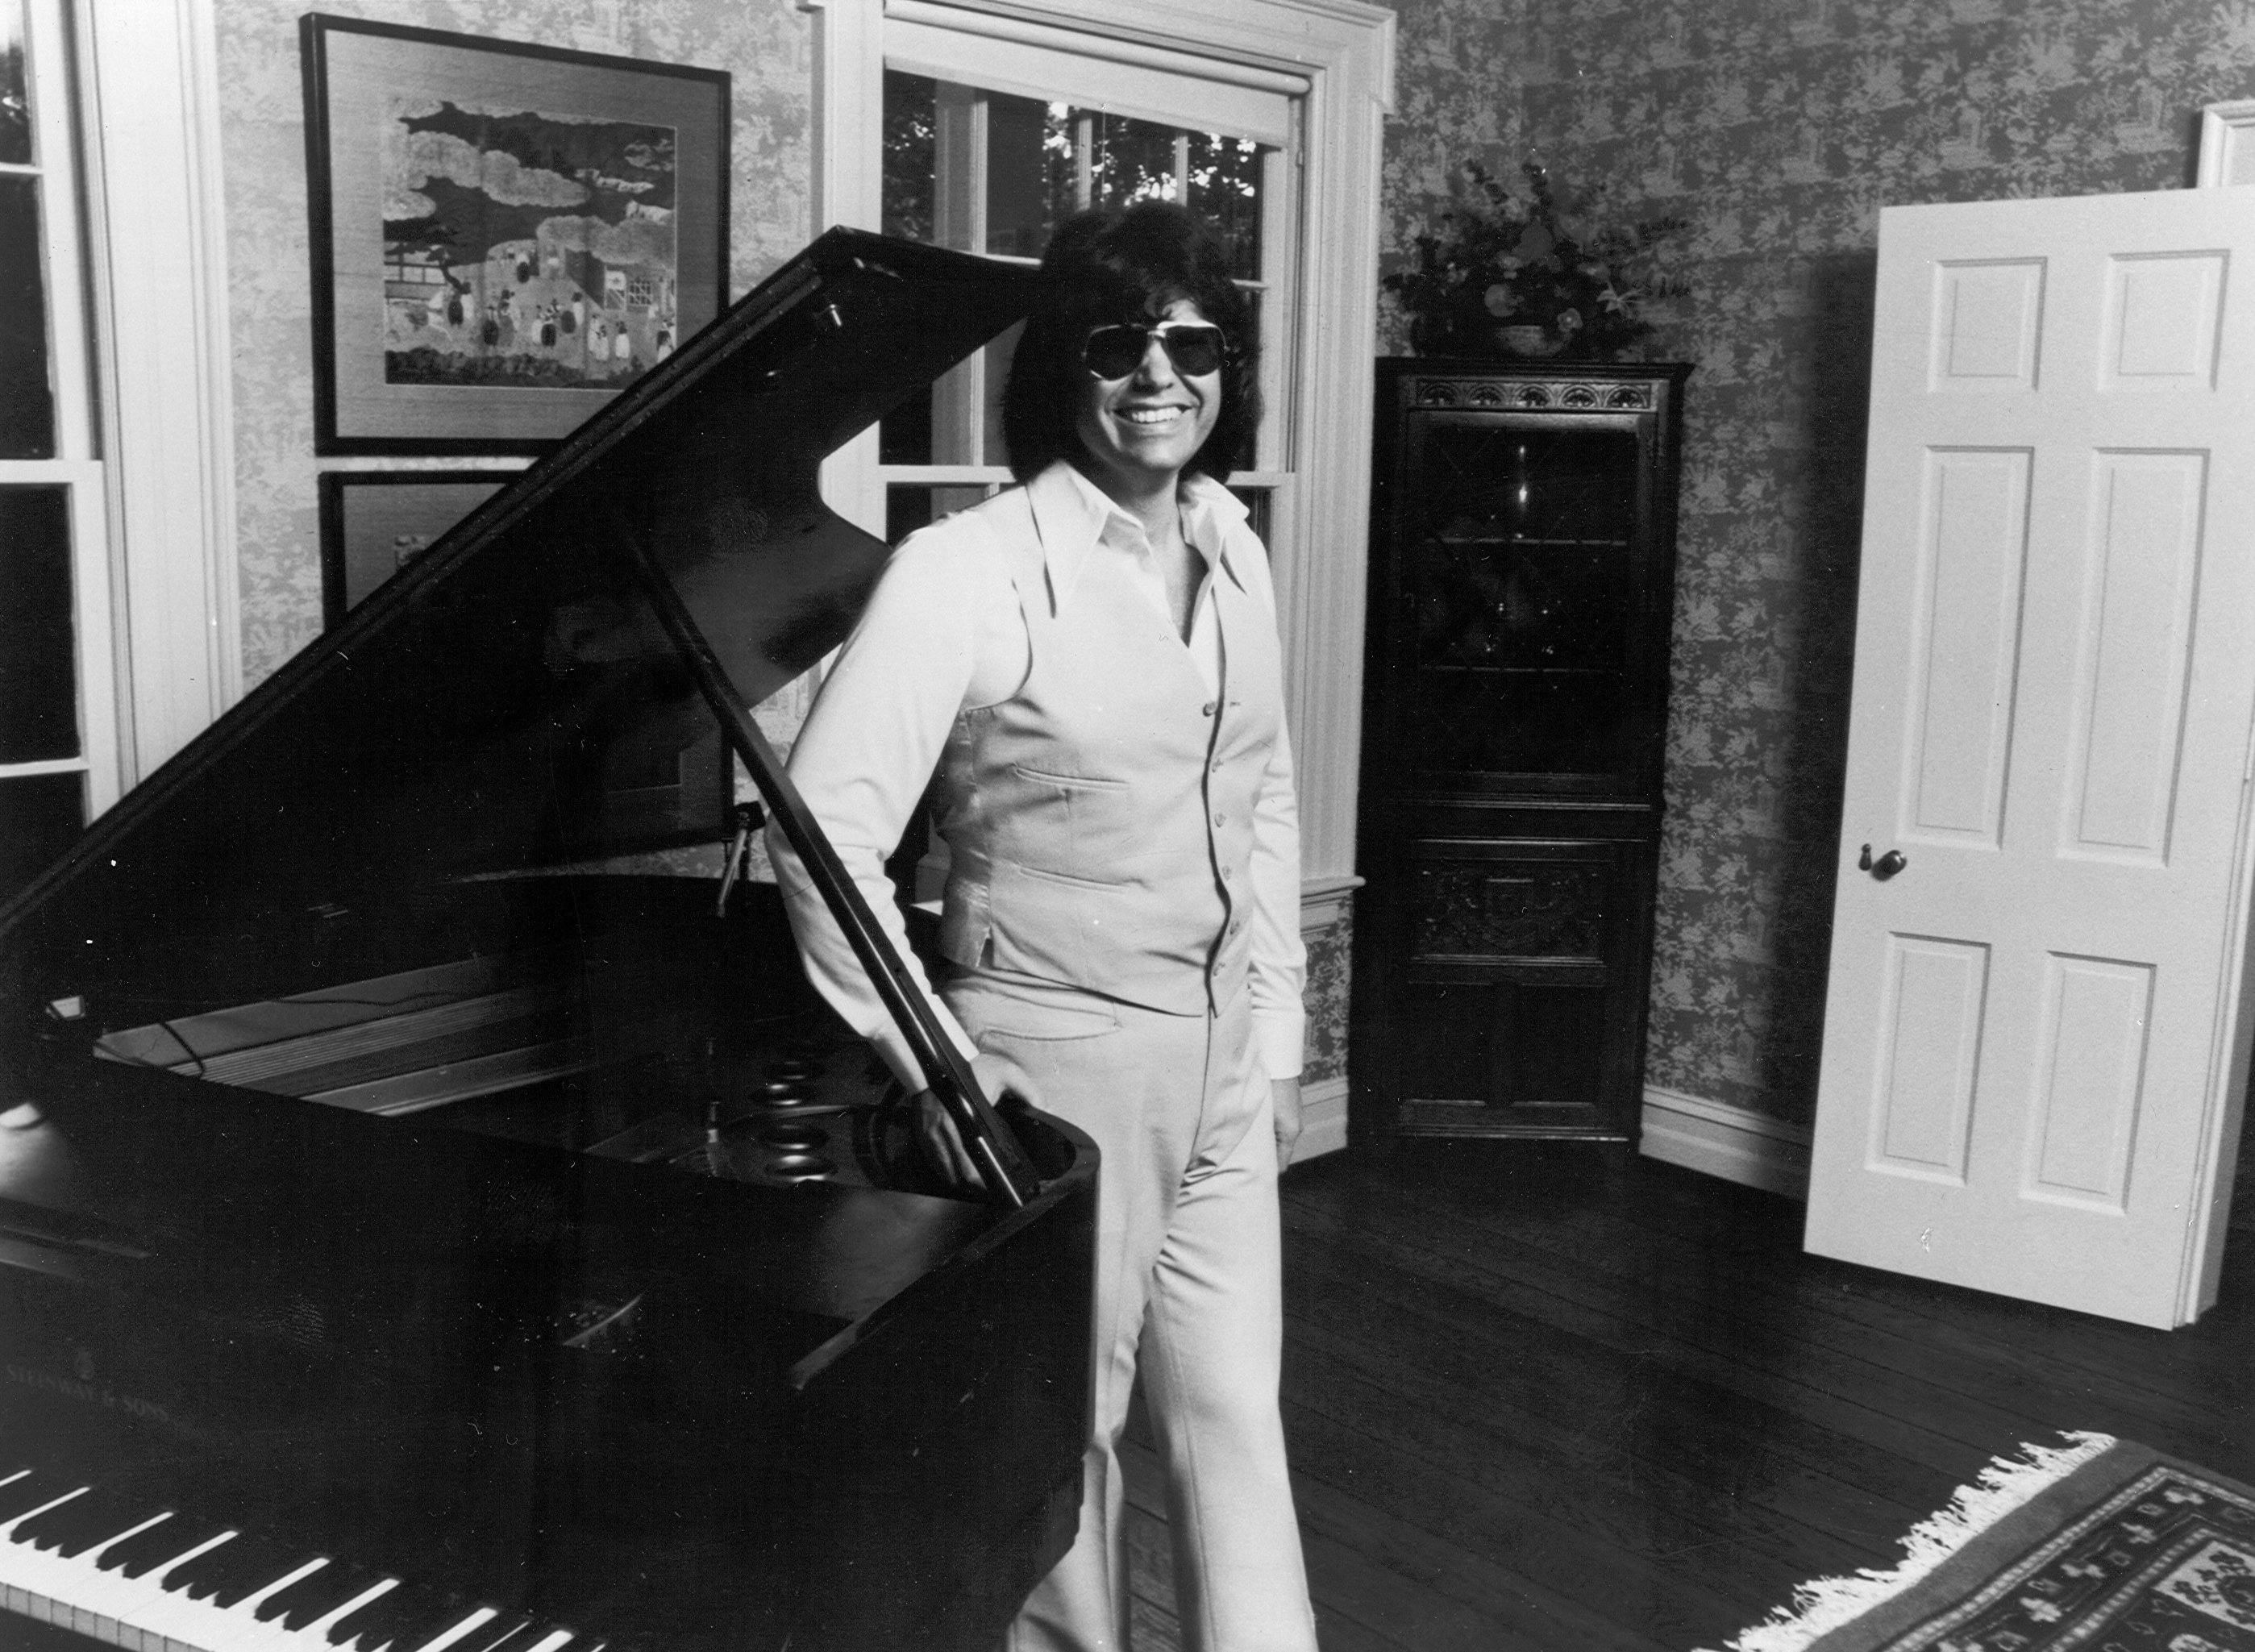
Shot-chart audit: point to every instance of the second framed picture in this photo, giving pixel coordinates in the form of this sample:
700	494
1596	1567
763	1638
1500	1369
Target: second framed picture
374	523
504	235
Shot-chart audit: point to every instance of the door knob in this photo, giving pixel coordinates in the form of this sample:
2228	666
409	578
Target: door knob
1886	866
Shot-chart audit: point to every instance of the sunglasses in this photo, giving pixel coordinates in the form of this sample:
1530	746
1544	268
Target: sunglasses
1118	350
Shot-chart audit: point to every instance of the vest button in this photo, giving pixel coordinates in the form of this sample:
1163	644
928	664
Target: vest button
1216	819
1206	710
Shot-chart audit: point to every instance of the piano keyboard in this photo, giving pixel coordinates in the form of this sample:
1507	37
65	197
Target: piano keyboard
158	1579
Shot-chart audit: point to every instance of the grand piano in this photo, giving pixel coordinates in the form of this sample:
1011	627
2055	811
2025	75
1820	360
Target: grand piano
418	1226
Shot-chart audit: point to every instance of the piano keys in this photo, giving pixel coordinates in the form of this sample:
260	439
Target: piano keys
115	1572
398	1173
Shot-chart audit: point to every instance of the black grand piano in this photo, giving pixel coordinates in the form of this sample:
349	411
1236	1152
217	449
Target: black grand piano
417	1228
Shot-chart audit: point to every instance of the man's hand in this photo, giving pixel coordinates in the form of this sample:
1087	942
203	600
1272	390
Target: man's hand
936	1132
1286	1093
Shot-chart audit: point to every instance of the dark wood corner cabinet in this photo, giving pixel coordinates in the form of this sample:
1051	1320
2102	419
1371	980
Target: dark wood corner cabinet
1522	580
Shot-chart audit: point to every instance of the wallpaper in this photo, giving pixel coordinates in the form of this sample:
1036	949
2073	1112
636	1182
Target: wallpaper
764	44
1780	128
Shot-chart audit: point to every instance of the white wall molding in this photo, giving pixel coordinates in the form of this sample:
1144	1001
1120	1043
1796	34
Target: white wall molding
160	224
1735	1143
1323	1119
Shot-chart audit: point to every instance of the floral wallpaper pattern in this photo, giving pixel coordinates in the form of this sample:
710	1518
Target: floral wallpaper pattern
1325	998
764	44
1780	128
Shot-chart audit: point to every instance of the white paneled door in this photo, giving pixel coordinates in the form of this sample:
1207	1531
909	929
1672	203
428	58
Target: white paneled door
2037	1023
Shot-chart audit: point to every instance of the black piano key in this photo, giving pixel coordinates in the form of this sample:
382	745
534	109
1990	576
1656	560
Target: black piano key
27	1492
137	1554
175	1534
247	1564
128	1513
417	1614
318	1595
386	1621
99	1511
38	1531
192	1578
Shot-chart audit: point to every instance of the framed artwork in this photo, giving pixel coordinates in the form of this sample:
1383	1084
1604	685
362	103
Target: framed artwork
504	235
376	523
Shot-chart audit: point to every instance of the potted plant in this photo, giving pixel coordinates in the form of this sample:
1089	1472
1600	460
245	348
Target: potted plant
1502	275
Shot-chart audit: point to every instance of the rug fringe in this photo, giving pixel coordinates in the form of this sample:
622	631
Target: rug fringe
1819	1607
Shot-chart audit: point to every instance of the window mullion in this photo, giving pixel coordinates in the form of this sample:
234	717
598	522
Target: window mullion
960	221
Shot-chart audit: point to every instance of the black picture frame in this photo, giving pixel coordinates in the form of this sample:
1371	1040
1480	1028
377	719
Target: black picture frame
499	318
373	523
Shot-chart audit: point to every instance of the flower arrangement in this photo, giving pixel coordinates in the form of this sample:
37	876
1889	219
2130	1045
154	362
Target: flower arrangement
1503	275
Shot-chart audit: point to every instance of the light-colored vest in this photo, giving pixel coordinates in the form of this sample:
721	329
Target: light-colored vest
1100	821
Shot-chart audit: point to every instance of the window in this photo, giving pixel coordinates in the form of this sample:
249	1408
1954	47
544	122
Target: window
1307	82
993	172
58	717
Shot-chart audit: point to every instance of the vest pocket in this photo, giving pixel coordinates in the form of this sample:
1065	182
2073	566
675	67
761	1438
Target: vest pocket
1070	782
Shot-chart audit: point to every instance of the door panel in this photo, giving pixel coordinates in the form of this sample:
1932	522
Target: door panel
2036	1028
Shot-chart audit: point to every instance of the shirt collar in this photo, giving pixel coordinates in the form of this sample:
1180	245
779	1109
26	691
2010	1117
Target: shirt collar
1070	514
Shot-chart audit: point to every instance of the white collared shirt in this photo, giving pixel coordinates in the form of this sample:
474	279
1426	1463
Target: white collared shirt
942	634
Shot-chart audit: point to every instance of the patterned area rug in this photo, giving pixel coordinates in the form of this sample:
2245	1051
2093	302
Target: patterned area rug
2100	1544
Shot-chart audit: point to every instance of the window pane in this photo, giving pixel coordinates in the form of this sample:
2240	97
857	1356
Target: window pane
1256	502
15	99
1028	174
908	509
1129	160
27	413
1225	192
38	687
39	815
911	154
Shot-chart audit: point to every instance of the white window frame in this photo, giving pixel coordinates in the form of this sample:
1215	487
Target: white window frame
965	400
76	468
1344	51
157	287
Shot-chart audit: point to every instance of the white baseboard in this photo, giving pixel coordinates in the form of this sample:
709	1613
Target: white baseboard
1735	1143
1323	1119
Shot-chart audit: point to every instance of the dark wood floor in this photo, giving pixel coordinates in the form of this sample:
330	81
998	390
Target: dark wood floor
1553	1398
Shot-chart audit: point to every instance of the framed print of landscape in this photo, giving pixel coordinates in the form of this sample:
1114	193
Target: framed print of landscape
504	235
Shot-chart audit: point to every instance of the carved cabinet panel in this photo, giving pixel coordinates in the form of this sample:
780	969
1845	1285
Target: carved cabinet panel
1522	569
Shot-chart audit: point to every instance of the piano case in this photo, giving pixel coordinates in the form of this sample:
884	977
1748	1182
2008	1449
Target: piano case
387	1176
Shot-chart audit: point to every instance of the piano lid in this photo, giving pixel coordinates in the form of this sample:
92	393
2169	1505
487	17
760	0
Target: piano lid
509	702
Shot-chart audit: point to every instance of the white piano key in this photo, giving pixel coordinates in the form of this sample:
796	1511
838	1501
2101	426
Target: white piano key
27	1566
109	1597
156	1610
140	1615
103	1598
35	1578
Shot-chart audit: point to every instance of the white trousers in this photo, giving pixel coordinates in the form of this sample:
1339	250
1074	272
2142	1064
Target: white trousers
1187	1275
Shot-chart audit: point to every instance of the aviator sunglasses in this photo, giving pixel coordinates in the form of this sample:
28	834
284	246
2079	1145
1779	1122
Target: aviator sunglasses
1116	351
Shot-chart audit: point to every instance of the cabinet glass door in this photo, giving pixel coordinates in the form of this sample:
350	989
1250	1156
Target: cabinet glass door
1522	598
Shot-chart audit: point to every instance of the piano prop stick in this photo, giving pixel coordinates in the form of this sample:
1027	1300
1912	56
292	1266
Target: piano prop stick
1009	1175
